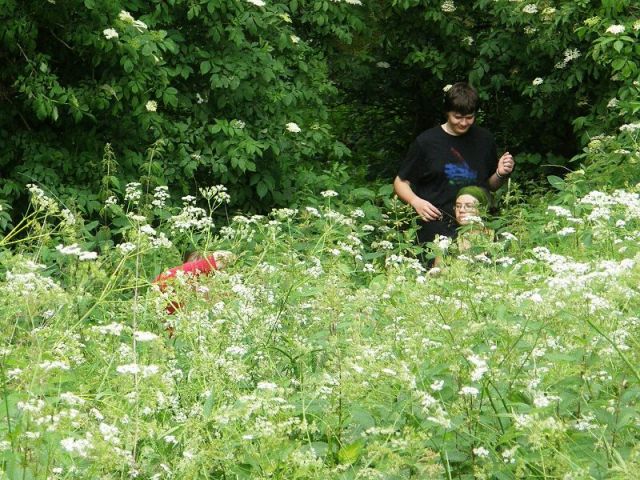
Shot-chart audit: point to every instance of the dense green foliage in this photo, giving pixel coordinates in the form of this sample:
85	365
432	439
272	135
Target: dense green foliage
197	92
326	350
220	90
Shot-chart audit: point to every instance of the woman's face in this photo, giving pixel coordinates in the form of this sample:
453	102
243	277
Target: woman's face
466	207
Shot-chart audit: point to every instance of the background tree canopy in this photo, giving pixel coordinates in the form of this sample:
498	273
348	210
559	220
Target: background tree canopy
262	96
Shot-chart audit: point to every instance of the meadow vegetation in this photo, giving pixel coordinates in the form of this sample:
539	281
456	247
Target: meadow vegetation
327	350
131	132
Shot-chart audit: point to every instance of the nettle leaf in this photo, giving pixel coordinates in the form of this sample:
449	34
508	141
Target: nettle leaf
350	454
556	182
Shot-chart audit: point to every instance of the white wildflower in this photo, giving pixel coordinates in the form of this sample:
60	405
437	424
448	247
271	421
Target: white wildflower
469	391
508	456
54	365
141	336
530	8
616	29
442	242
151	106
266	386
140	25
86	256
448	6
71	398
630	127
537	81
329	193
78	446
566	231
126	16
110	33
571	54
481	452
293	127
437	385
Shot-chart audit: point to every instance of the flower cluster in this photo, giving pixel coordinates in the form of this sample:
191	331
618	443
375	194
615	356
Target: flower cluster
75	250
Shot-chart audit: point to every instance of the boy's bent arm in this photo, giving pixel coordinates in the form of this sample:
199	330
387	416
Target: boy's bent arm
426	210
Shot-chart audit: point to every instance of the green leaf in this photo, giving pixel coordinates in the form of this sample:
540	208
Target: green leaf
128	65
208	405
362	418
262	189
350	454
556	182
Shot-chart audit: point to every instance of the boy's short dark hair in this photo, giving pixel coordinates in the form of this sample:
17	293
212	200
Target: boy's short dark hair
461	98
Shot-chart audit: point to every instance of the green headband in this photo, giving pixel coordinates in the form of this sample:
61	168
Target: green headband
479	193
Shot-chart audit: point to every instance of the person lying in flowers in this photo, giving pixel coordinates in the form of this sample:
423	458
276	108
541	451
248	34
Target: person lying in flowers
472	205
195	264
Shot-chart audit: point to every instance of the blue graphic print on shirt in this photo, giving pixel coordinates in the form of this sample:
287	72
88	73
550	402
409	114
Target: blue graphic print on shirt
459	173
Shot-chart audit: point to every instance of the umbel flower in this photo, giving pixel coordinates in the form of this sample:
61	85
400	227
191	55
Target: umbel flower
293	127
616	29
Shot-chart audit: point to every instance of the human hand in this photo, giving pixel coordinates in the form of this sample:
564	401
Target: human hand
426	210
505	164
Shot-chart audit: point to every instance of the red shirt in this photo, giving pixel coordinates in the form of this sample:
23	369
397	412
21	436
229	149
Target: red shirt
191	269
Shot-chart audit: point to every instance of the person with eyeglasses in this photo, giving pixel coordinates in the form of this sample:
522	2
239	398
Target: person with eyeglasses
471	208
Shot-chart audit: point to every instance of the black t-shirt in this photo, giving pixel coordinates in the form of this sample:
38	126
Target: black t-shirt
438	164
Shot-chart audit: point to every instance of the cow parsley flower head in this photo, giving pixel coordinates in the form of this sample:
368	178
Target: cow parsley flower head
126	17
142	336
257	3
329	193
530	8
133	192
448	6
616	29
443	242
571	54
469	391
140	25
41	201
151	106
110	33
293	127
79	447
481	452
630	127
537	81
217	193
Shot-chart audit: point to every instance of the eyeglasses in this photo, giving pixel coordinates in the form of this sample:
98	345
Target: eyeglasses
466	206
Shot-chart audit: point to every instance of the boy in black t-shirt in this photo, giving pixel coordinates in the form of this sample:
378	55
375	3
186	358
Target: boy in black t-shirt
446	158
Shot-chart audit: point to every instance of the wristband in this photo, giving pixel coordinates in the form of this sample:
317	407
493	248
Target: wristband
501	177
